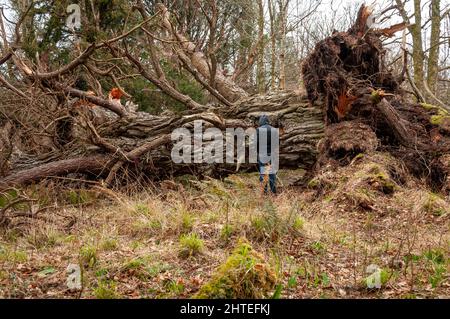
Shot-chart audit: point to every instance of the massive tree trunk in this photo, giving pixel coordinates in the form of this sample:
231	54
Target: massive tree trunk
140	141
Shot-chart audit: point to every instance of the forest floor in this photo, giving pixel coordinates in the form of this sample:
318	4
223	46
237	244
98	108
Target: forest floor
319	241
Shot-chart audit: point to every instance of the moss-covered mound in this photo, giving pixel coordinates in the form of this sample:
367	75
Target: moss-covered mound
244	275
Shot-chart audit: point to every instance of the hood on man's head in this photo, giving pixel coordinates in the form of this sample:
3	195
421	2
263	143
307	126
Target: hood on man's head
263	120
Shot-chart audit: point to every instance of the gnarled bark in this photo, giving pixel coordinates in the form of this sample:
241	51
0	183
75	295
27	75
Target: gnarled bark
143	140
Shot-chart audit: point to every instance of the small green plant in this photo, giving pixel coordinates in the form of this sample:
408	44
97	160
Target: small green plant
69	239
259	224
324	279
88	256
412	258
157	268
435	255
190	245
434	204
146	227
109	244
187	222
318	247
277	292
298	223
292	282
438	276
102	273
174	287
15	256
267	226
46	271
106	290
226	232
438	260
142	209
312	276
78	196
44	237
140	268
133	264
135	244
8	197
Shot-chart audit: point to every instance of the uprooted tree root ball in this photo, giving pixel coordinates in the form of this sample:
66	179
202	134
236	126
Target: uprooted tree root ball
345	66
365	107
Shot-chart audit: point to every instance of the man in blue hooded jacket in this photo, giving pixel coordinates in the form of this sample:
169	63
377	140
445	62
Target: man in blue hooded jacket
267	139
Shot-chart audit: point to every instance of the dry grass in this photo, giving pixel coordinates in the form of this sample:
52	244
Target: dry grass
318	241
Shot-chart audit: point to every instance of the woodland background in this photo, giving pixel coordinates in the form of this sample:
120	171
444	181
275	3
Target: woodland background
361	94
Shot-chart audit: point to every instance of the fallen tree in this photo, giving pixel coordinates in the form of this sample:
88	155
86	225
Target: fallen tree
351	99
143	141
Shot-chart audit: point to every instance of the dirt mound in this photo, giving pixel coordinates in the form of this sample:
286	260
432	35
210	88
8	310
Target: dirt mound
376	183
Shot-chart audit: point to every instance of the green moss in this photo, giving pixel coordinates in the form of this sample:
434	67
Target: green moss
375	97
387	186
359	156
244	275
437	119
313	183
379	179
428	107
